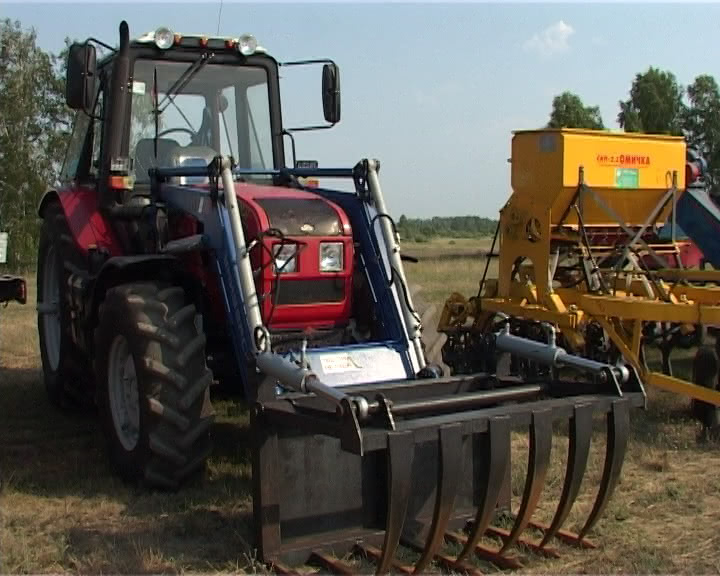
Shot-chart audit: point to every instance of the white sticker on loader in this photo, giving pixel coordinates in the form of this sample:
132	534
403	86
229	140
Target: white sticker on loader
3	247
339	363
138	87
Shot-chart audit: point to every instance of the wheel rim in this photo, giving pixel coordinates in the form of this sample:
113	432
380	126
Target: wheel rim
51	309
124	397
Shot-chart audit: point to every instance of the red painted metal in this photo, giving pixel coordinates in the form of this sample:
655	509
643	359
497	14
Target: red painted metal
88	226
305	316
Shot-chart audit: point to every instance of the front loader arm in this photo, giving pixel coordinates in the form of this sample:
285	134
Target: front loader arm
383	462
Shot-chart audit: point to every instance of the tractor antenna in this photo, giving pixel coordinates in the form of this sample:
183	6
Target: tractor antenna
218	22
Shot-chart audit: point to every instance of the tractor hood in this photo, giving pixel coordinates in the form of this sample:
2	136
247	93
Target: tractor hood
315	291
293	212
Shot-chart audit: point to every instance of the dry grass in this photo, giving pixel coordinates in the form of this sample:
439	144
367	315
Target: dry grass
62	511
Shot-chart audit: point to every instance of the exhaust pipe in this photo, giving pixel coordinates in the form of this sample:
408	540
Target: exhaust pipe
114	128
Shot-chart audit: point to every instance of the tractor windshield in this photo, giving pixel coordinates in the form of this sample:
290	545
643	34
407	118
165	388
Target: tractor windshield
204	110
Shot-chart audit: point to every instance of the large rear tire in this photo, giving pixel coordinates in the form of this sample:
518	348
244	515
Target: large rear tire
153	384
57	352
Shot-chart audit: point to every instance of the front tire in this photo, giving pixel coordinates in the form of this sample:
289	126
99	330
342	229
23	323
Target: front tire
153	384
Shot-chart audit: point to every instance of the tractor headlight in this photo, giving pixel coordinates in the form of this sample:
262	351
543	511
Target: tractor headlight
331	256
164	38
247	44
285	258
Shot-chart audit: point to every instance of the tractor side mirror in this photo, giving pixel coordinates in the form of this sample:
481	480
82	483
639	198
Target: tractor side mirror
331	93
80	79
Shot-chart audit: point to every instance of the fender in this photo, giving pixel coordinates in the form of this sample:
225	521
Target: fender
88	291
87	224
144	267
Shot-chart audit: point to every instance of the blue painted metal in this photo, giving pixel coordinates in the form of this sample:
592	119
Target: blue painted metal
369	243
216	224
215	219
699	218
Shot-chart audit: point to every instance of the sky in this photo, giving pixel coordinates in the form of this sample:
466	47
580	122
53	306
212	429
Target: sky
434	91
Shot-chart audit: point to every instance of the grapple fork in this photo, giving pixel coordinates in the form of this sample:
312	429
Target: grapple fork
429	461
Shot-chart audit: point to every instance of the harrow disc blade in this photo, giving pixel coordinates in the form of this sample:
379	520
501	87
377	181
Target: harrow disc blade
538	461
497	448
618	429
400	451
578	451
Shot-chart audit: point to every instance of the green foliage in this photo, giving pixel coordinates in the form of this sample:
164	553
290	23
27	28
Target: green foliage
34	126
569	111
701	123
655	105
424	229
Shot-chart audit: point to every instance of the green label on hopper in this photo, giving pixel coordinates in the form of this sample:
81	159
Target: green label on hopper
626	177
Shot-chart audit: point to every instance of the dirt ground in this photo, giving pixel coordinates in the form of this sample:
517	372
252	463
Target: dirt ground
62	511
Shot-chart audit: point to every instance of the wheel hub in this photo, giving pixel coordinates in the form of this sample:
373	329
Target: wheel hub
123	393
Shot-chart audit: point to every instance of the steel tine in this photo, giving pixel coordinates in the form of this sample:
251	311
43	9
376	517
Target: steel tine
538	461
331	564
400	452
578	451
618	430
449	473
493	474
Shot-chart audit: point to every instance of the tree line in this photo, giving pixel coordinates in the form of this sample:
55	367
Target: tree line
423	229
657	104
34	126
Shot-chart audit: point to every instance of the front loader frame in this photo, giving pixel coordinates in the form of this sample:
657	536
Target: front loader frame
340	468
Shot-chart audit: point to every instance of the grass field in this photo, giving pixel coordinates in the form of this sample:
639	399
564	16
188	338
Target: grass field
62	511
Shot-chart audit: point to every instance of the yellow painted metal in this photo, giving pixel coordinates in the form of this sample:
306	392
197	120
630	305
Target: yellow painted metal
692	275
638	308
683	387
545	179
545	166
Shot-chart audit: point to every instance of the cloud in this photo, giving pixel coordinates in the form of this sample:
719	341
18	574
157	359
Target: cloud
552	40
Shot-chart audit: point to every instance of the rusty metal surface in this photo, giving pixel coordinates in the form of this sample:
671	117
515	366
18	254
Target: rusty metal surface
438	478
538	462
400	458
618	430
450	472
493	474
331	564
580	433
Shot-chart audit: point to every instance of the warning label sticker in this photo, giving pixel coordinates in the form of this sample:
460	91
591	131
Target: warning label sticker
339	363
626	178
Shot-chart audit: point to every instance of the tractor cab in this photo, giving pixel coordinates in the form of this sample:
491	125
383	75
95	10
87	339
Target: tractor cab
188	106
190	99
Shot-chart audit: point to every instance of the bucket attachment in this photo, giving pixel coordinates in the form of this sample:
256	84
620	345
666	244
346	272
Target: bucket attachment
400	470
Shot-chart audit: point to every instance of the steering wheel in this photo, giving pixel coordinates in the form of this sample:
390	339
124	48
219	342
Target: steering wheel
178	129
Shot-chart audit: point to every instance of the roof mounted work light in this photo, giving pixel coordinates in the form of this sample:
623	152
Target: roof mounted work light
164	38
247	44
